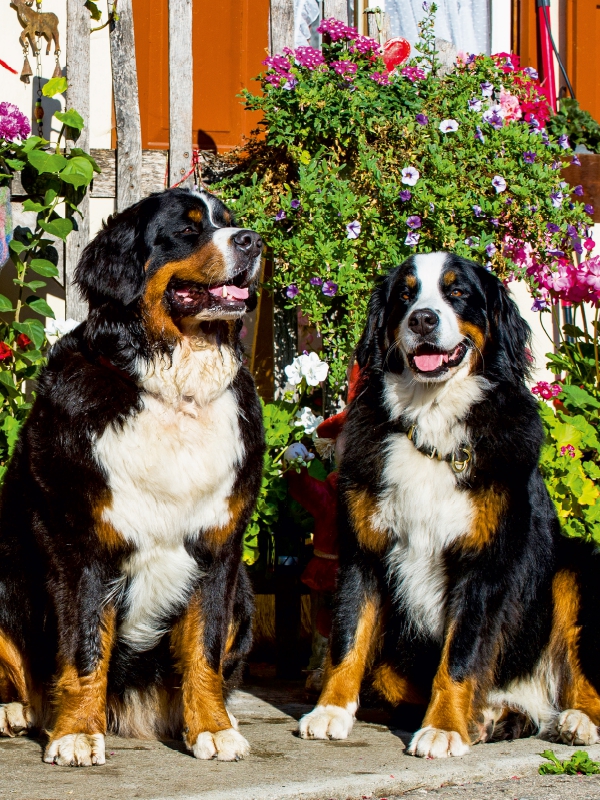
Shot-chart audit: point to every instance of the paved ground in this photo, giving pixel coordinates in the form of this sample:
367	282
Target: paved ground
371	764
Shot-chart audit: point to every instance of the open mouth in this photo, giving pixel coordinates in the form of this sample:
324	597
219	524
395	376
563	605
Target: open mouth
187	298
432	361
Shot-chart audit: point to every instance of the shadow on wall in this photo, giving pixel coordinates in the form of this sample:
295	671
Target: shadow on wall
49	104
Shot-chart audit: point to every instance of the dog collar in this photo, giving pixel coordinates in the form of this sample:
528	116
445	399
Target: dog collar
459	460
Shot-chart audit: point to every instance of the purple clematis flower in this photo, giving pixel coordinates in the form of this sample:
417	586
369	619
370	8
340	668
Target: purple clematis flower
292	290
422	119
280	215
316	281
405	195
329	289
529	156
499	183
414	222
578	190
412	238
353	229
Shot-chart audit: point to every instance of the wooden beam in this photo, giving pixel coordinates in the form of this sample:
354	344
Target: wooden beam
127	108
337	9
281	25
78	97
180	92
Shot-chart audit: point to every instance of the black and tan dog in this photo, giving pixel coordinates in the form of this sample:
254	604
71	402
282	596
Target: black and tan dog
122	596
456	588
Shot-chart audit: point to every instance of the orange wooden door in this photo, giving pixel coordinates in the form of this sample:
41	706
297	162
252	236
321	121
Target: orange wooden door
229	41
583	57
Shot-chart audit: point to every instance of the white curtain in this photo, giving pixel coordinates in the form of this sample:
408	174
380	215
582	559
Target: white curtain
466	23
306	12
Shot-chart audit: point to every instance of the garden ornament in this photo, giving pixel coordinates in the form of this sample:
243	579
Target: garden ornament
36	24
395	52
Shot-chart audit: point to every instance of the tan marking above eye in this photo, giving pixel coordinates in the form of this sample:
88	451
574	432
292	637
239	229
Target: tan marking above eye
449	277
411	281
195	214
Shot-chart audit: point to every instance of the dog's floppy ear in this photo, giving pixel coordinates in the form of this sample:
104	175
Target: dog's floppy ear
510	334
111	268
369	350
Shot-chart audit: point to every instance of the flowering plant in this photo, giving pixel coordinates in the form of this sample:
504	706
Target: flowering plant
54	179
352	173
287	421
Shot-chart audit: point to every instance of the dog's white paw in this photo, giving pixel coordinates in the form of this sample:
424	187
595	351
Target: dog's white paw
227	745
328	722
76	750
435	743
15	719
575	727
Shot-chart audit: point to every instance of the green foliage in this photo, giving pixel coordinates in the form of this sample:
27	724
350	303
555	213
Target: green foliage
331	151
54	181
577	124
54	86
579	764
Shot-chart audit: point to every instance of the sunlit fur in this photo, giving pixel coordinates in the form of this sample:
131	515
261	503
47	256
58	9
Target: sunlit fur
486	614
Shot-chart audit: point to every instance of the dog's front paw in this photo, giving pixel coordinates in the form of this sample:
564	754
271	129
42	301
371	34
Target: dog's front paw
15	719
327	722
435	743
76	750
227	745
576	728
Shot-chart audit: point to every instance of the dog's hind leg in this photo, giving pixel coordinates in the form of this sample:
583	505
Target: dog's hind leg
17	699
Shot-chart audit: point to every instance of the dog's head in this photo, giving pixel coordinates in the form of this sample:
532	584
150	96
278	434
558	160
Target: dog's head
177	258
437	314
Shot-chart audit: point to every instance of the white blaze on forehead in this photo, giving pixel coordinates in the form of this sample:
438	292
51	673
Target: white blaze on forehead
429	269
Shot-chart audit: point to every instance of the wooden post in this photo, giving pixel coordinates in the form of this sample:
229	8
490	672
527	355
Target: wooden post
127	107
180	91
78	97
337	9
281	25
378	26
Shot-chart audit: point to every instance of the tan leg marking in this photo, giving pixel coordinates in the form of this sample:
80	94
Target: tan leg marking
489	506
363	506
394	688
217	537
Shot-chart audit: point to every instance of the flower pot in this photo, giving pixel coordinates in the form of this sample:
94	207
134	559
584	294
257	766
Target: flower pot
588	175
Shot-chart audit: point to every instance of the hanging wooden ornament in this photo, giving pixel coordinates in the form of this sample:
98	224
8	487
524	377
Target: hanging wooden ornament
26	72
36	23
57	68
38	111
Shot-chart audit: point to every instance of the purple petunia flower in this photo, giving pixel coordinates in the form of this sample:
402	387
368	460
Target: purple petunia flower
290	84
556	165
563	141
572	230
292	290
471	58
477	211
14	124
405	195
479	135
412	238
494	117
353	229
431	207
422	119
575	161
577	246
552	227
316	281
329	289
295	204
487	88
499	183
539	304
280	215
556	199
495	222
472	241
588	209
578	190
529	156
533	73
475	104
414	222
491	249
448	126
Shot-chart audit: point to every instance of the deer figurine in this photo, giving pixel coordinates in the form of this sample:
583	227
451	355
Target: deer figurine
36	23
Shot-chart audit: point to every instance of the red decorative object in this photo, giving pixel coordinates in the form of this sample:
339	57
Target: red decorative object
5	65
395	52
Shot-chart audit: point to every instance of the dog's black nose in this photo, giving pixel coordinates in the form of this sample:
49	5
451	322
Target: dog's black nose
248	242
423	321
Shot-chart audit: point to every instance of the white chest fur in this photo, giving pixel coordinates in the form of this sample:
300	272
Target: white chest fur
171	470
421	505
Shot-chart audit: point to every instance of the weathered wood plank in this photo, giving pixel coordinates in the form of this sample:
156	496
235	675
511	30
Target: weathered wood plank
154	166
78	97
281	25
337	9
180	91
127	107
378	26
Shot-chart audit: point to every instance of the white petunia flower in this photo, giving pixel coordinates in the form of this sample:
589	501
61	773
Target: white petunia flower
313	369
294	372
410	176
307	420
448	125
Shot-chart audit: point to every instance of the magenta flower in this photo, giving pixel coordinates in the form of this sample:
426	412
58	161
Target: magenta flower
499	183
279	64
382	78
413	74
329	289
308	57
273	79
345	69
567	450
292	290
413	222
412	238
364	45
578	190
316	281
405	195
14	124
546	390
353	229
422	119
592	277
529	156
336	29
589	244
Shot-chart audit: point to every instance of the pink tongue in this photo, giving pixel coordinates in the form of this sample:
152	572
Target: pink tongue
429	362
231	291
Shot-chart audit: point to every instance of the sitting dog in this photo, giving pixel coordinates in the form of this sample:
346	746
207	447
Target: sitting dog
456	589
123	602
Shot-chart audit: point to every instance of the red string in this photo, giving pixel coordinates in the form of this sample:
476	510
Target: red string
195	163
5	65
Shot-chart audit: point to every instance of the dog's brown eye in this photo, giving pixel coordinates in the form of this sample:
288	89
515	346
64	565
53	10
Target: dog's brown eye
406	296
456	293
186	231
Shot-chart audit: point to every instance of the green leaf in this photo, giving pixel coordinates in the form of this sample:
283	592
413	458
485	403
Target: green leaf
31	205
58	227
5	304
78	172
33	285
32	142
44	267
70	118
16	246
50	196
95	12
11	428
55	86
15	163
32	328
77	151
577	398
40	306
43	161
